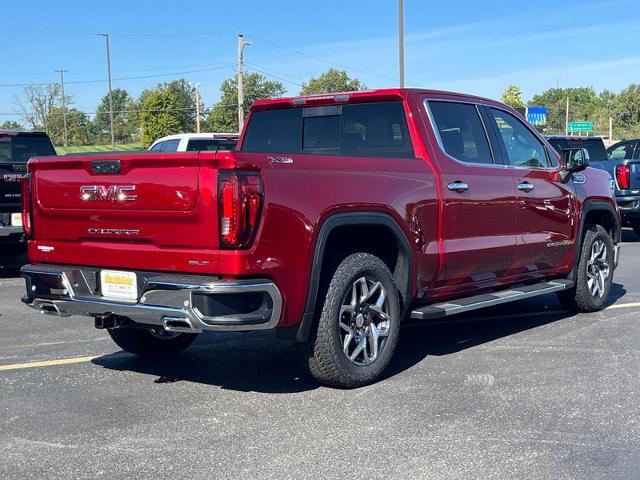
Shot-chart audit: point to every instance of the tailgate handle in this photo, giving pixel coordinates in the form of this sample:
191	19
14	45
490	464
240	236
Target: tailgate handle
103	167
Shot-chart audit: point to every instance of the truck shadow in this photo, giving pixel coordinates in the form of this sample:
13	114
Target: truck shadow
259	362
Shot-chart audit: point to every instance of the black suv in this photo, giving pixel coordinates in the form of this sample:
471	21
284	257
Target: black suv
16	148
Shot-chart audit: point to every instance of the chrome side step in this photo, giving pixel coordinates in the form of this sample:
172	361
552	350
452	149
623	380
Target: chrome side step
461	305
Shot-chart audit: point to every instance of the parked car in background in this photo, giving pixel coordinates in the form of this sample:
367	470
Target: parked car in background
622	161
338	217
16	148
196	142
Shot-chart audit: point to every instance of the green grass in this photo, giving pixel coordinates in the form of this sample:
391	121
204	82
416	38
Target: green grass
98	148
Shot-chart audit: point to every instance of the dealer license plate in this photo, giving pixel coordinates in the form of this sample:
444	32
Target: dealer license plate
116	284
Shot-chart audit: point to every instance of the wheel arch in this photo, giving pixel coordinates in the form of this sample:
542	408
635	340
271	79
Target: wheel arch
343	223
596	212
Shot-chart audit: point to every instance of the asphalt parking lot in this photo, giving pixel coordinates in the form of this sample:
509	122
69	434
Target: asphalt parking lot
523	391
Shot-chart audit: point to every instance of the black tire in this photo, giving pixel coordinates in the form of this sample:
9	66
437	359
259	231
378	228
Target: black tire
148	343
635	224
326	358
580	298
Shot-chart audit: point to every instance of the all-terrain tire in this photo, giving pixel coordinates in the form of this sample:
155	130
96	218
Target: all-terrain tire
145	342
580	298
326	358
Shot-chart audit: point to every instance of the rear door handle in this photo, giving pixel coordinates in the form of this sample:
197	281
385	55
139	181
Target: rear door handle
459	187
525	186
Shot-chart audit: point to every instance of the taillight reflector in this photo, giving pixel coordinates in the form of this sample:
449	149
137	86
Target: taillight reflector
623	177
25	203
240	199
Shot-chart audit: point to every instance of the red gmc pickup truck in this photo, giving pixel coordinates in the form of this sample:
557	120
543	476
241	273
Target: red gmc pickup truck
338	217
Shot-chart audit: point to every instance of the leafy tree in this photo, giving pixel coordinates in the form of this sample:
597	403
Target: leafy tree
158	115
185	95
583	106
125	119
626	110
80	130
512	95
10	125
332	81
223	117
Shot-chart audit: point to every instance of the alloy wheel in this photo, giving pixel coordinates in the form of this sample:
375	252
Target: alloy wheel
364	321
598	269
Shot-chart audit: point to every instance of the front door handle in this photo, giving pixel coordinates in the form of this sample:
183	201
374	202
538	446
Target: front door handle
459	187
525	186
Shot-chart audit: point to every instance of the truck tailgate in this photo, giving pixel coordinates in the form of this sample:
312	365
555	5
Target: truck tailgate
143	211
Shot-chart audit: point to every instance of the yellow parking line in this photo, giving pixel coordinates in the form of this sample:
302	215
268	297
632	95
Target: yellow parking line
47	363
623	305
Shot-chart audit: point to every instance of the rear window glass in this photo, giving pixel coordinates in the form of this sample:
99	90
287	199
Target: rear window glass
367	130
595	146
202	145
20	148
461	131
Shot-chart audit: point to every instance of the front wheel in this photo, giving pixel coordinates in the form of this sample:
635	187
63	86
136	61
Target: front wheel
594	275
357	331
151	342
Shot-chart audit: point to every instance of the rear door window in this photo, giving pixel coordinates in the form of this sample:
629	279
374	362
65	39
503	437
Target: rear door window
171	145
461	131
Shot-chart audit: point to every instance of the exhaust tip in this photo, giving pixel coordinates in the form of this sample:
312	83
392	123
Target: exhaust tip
50	309
178	324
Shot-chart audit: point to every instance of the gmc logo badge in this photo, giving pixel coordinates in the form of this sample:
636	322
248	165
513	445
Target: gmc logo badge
113	193
12	177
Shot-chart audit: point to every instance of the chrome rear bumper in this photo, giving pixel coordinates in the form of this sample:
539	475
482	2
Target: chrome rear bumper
185	303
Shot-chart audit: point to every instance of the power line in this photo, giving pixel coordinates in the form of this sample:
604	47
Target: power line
254	68
137	77
320	59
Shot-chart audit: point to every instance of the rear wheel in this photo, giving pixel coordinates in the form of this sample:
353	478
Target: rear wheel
357	331
594	275
156	342
635	224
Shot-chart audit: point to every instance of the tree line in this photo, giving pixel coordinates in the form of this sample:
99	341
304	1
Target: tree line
585	105
170	107
166	109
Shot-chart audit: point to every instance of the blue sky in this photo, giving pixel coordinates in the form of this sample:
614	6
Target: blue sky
472	46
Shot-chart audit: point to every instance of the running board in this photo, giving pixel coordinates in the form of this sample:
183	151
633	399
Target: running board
461	305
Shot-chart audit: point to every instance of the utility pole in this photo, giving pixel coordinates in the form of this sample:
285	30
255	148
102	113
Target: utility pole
113	138
241	44
401	40
610	131
64	107
566	119
197	108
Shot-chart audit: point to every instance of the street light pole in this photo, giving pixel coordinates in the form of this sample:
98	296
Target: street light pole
113	138
401	40
197	107
241	44
64	108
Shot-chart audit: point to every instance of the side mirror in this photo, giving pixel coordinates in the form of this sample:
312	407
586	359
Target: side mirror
573	160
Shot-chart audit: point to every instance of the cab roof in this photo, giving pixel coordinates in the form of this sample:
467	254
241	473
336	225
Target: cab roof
359	96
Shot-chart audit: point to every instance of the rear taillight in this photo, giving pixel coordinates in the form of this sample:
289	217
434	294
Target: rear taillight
623	176
239	202
25	202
